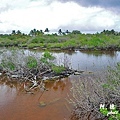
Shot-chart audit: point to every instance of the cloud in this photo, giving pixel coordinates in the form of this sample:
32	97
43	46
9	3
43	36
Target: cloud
55	14
100	3
4	8
92	21
111	5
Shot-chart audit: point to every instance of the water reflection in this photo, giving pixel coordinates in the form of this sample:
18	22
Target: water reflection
79	60
94	60
58	85
7	93
18	104
100	53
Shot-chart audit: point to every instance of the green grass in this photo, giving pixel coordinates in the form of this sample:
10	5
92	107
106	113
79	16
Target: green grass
8	64
58	69
31	62
62	42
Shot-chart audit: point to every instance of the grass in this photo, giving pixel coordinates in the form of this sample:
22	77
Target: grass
9	65
58	69
31	62
12	62
98	40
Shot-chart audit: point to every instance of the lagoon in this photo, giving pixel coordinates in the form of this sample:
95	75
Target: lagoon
51	104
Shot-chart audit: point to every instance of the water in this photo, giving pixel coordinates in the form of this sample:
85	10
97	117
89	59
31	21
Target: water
94	60
78	60
85	60
15	104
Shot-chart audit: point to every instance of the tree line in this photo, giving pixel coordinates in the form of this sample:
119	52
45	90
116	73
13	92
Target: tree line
35	32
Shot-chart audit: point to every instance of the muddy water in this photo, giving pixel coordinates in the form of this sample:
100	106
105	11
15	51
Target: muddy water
16	104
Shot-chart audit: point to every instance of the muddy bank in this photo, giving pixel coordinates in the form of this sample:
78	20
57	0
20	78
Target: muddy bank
107	48
72	48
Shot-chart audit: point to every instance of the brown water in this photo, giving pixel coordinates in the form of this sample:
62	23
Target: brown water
16	104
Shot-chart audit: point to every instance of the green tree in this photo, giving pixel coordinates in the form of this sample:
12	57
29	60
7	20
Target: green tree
31	33
47	30
67	31
112	31
13	32
59	31
18	32
76	32
34	31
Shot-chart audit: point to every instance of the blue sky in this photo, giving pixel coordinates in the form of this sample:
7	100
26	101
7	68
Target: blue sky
83	15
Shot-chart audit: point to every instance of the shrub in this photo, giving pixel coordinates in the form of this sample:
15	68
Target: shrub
9	65
31	62
58	69
112	85
85	96
38	40
47	58
88	93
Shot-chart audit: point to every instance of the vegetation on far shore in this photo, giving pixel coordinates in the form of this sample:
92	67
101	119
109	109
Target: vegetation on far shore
106	40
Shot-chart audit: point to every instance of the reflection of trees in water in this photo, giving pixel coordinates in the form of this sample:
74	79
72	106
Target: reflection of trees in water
11	84
21	86
110	53
18	85
56	85
69	52
59	84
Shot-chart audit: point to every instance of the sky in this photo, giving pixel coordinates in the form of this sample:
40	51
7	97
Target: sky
83	15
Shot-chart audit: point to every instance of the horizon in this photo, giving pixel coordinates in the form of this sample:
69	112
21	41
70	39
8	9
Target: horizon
56	32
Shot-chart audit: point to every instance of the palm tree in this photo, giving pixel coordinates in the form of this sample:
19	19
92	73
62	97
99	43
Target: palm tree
34	31
41	32
46	30
67	32
13	32
31	33
18	32
59	31
112	31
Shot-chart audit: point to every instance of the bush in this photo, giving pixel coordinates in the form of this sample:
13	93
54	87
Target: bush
47	58
112	85
38	40
31	62
58	69
88	93
8	65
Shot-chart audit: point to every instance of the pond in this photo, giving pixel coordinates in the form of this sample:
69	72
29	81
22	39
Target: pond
15	104
50	104
77	60
90	60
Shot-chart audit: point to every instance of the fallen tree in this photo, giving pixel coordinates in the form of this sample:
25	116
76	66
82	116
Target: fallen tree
17	65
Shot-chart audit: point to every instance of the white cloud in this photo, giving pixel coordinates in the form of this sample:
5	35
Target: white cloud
25	15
